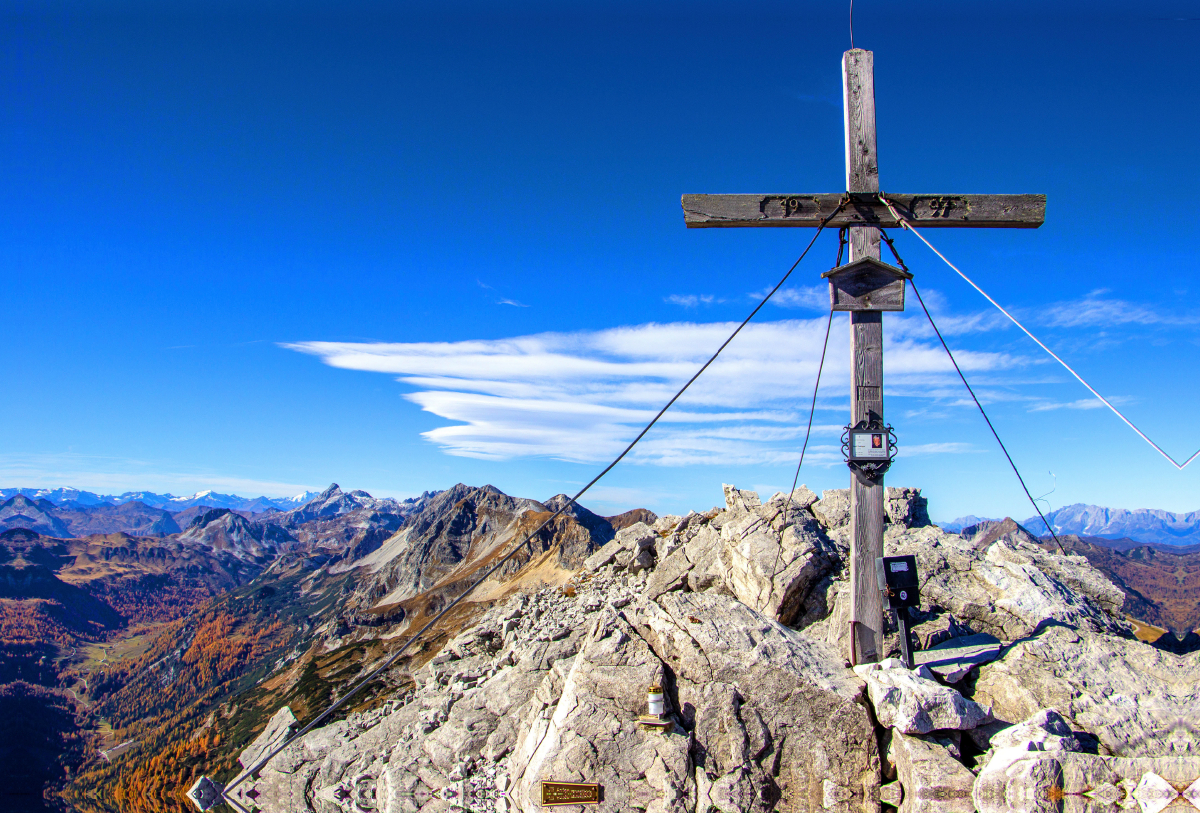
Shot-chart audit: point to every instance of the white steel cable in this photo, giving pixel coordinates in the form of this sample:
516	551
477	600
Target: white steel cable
903	222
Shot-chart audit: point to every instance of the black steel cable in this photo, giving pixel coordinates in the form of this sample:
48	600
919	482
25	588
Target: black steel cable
982	411
807	432
404	648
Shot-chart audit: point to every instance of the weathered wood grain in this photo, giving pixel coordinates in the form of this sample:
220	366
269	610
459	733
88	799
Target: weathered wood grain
858	89
866	343
866	501
808	210
866	285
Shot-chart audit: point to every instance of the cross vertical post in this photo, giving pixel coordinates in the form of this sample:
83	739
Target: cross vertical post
866	292
866	347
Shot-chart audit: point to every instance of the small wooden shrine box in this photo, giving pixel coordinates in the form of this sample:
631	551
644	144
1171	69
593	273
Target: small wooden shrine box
867	285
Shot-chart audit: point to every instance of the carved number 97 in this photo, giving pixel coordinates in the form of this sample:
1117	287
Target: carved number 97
940	207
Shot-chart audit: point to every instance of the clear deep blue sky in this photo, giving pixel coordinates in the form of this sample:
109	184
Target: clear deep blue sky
262	250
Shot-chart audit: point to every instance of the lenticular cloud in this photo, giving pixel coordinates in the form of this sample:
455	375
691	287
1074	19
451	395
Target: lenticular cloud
582	396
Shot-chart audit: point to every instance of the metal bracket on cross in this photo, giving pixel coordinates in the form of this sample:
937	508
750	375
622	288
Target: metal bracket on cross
869	448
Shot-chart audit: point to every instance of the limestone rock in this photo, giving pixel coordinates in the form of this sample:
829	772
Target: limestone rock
932	779
738	500
773	714
637	537
1138	700
603	556
670	574
953	660
906	507
942	627
277	730
833	509
591	733
916	704
1002	590
770	572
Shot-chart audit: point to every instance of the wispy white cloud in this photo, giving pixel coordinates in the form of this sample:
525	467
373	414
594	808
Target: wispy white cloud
583	396
813	297
1097	310
512	302
1082	403
691	300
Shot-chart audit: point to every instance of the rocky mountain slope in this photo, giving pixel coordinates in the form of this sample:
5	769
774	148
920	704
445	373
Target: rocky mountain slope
1161	583
1032	686
316	595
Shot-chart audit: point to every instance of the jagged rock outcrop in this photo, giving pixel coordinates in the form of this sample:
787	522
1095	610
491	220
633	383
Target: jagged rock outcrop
1136	699
913	702
931	780
462	528
221	530
740	614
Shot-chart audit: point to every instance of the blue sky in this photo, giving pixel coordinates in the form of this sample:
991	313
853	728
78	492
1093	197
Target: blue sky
259	250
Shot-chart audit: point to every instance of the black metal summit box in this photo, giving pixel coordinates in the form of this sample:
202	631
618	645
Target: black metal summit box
898	581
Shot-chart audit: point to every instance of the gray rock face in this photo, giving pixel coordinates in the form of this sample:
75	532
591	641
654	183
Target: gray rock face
773	715
588	731
833	509
953	660
548	684
770	571
906	507
914	703
1138	700
277	730
1005	590
932	780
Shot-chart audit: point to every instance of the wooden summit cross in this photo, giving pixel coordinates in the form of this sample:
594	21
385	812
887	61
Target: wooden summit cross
864	214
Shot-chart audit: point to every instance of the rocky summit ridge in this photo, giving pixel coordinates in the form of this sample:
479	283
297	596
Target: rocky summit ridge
1032	693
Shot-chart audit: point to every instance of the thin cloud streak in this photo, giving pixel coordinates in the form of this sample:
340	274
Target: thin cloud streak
583	396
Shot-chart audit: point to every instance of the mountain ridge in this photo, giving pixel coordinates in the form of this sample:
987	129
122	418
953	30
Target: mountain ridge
1141	525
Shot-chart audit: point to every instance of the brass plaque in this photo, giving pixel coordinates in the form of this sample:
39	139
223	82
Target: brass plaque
570	793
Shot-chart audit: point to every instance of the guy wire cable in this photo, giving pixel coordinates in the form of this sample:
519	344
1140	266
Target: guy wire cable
258	766
982	412
811	411
903	222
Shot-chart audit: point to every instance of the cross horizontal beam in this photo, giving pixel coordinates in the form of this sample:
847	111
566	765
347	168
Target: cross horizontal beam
945	211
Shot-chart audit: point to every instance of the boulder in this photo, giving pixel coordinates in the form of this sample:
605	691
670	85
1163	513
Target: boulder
603	556
914	703
1136	699
671	574
591	733
772	572
906	507
933	781
833	509
776	718
637	537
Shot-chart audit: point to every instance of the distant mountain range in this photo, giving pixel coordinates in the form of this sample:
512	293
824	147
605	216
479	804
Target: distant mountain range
311	518
1145	525
169	502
